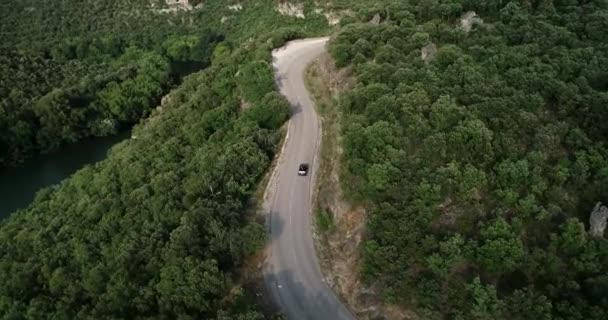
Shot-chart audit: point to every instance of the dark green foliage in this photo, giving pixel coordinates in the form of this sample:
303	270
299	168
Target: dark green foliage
271	111
255	79
72	46
190	47
480	167
75	102
157	228
72	70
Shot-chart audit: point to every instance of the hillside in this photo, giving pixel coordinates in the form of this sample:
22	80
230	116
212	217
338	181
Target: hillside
471	141
155	230
88	68
479	153
74	69
161	228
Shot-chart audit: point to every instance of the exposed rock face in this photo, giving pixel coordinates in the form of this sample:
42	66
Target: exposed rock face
597	221
290	9
333	17
165	99
375	20
236	7
176	5
428	52
183	4
468	19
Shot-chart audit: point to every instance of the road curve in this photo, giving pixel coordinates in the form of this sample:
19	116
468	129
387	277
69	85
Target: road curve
292	273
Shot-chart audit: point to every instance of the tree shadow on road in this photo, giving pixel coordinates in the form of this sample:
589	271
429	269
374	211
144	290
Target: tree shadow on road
295	108
279	78
275	226
283	291
298	300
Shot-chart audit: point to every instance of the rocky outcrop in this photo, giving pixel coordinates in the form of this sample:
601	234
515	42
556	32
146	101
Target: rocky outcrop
375	20
176	5
290	9
236	7
165	99
468	19
428	52
333	17
597	221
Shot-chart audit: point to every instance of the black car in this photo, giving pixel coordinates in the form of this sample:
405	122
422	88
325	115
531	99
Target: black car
303	169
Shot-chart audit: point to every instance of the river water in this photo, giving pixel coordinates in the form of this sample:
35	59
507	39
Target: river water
19	185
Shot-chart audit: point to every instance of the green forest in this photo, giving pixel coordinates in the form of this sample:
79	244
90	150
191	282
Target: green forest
479	162
480	165
161	228
156	229
74	69
68	70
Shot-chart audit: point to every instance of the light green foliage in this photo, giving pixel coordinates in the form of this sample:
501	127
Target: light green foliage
573	237
483	302
450	253
483	161
255	79
525	304
270	111
190	47
325	221
500	251
186	285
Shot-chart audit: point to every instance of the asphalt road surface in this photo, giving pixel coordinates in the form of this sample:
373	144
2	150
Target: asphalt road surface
292	273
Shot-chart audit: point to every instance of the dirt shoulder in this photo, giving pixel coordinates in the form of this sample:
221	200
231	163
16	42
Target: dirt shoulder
339	226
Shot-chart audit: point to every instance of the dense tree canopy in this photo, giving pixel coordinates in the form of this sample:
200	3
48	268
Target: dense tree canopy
156	229
68	57
480	167
159	229
69	70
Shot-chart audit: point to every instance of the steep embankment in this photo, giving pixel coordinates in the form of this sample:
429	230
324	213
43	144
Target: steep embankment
478	147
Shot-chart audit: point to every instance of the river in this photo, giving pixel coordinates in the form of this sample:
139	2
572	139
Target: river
19	185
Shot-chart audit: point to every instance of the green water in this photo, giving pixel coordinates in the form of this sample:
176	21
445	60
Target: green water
19	185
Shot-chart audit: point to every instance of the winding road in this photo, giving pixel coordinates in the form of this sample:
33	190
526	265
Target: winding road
292	273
